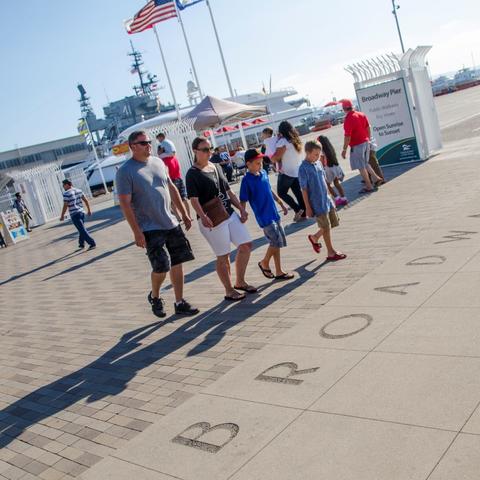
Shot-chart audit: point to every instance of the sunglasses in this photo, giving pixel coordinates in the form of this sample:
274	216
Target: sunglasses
143	143
205	150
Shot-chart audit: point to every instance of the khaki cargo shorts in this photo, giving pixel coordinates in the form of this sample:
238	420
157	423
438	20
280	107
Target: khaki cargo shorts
328	220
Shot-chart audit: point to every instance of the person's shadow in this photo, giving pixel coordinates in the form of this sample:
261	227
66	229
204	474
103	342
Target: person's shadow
110	373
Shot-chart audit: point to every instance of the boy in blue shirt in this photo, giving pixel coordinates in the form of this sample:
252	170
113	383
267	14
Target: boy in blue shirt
318	203
256	190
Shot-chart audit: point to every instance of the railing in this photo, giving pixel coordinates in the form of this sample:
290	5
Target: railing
181	133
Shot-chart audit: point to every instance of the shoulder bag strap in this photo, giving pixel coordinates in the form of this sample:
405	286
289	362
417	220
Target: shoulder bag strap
217	176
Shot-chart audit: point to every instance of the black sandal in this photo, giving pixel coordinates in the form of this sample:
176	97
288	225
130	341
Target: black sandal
266	271
366	190
285	276
247	289
230	298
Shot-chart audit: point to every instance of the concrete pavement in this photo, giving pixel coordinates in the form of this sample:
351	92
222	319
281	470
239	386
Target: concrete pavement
380	382
366	368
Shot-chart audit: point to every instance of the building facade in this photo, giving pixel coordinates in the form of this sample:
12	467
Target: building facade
69	151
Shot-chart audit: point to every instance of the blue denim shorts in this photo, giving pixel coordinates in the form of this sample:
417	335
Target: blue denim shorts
275	234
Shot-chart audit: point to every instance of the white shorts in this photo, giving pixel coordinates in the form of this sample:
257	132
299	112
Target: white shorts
222	236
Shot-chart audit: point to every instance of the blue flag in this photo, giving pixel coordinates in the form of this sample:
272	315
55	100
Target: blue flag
183	4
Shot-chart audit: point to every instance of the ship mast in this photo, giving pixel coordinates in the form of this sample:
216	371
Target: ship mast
148	82
85	106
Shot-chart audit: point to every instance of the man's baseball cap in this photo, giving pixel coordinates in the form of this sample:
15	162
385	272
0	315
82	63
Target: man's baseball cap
346	103
66	182
252	154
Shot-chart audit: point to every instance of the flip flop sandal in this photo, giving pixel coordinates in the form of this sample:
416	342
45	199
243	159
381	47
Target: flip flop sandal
230	298
247	289
316	245
284	276
266	271
378	183
337	256
365	190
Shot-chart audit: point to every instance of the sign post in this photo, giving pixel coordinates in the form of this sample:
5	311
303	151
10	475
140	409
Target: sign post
388	110
395	93
13	229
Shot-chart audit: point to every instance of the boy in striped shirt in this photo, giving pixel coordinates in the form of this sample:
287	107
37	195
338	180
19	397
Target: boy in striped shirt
72	199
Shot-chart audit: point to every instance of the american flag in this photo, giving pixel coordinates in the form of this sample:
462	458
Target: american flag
153	12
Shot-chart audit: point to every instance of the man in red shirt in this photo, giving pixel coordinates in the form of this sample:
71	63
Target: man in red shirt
357	136
166	151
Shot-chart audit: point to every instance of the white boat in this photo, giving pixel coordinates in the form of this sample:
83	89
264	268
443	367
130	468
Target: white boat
278	107
109	166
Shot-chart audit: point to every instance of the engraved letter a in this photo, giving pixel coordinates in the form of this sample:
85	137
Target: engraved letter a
396	289
193	439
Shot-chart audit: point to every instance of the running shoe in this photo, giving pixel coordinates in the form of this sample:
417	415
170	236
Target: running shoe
157	306
184	308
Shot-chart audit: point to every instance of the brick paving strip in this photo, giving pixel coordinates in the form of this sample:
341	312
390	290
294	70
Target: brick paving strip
84	366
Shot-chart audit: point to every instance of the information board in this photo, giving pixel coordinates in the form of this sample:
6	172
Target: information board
387	108
13	228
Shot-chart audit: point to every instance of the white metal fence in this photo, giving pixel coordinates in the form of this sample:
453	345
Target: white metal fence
41	188
6	199
181	133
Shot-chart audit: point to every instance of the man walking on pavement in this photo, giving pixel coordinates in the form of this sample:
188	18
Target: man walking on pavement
22	209
357	135
145	192
72	199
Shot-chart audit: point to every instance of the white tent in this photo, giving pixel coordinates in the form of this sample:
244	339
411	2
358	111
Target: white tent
212	112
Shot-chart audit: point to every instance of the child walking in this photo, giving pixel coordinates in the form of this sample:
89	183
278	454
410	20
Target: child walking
269	141
318	203
333	171
255	189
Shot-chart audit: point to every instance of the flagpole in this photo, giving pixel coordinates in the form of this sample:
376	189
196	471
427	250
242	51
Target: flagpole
95	154
166	72
220	48
188	49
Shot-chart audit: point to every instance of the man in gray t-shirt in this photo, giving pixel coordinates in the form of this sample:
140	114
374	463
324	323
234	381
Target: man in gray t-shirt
145	192
147	183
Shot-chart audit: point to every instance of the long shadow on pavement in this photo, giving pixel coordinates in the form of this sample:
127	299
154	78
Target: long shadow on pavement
105	218
352	186
110	373
90	261
41	267
113	215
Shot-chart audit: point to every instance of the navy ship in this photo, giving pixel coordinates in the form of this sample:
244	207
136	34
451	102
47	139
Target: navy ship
123	113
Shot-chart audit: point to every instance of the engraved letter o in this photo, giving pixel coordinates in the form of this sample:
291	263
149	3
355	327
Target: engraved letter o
368	319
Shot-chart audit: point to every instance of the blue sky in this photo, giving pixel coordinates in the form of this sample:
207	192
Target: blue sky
48	46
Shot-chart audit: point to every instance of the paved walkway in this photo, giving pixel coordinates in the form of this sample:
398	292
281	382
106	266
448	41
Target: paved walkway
90	383
379	382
